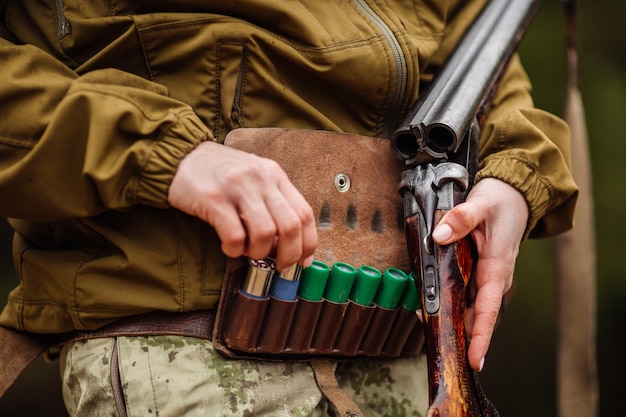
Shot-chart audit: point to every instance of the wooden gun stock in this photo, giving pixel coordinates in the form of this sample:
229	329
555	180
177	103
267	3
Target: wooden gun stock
454	389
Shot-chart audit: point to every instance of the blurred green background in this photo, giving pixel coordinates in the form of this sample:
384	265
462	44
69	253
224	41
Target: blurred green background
520	372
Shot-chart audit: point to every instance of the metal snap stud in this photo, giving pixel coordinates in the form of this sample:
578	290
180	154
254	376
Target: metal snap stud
342	182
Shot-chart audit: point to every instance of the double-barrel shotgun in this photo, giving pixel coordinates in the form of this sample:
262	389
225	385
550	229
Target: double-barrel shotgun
438	143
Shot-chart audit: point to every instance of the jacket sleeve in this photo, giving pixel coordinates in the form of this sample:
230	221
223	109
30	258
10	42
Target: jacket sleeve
525	147
530	150
74	146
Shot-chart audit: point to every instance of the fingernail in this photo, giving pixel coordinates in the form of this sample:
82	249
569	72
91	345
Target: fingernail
442	232
482	365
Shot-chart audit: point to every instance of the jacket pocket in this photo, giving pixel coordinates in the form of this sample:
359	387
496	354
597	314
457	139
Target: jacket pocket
231	70
200	64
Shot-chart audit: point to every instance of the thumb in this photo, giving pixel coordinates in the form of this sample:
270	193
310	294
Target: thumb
456	223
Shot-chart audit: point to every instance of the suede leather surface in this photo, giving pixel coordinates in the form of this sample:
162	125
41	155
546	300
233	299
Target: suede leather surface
362	225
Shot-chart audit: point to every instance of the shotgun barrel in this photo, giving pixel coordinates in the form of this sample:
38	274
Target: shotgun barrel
441	118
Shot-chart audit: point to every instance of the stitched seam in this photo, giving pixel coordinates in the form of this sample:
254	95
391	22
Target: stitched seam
156	406
143	50
27	143
320	50
218	87
21	299
240	87
80	266
181	274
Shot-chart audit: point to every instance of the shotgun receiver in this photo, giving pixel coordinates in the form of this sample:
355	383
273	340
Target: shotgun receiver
437	141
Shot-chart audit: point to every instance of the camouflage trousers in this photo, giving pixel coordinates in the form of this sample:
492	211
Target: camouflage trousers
176	376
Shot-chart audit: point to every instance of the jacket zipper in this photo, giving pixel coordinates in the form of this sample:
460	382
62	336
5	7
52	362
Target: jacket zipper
401	74
63	26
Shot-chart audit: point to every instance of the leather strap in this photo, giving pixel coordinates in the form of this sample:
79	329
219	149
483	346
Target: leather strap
20	349
198	324
327	382
17	351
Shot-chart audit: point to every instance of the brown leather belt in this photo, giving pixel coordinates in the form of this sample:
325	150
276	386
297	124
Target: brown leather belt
20	349
198	324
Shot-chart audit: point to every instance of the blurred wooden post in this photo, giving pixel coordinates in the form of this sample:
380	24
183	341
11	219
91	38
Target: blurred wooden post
577	379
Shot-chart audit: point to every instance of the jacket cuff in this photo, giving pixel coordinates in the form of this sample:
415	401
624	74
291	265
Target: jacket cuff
166	153
522	176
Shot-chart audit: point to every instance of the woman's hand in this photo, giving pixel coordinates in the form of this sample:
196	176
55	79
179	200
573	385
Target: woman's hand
249	201
496	215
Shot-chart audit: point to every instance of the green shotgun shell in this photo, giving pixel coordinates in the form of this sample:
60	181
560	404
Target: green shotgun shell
391	288
411	299
342	276
365	285
313	281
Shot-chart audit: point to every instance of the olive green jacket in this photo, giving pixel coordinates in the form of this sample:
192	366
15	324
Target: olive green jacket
100	100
